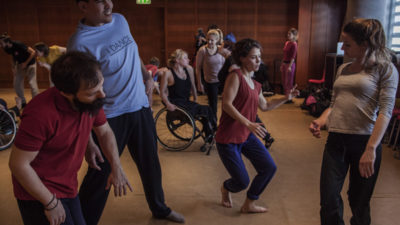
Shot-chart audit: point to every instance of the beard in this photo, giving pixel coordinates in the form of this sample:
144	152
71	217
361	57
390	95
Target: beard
92	108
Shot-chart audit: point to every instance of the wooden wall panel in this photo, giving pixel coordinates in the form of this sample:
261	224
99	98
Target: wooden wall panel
274	20
50	21
5	70
305	18
211	12
318	48
320	22
180	25
169	24
147	27
241	18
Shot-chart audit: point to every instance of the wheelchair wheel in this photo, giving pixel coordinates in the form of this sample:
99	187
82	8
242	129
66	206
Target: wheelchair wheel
8	129
175	130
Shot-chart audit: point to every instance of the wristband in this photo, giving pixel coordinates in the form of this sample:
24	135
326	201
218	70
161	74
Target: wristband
53	206
54	196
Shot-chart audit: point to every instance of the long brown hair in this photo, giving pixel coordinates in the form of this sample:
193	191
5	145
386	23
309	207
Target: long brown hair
370	32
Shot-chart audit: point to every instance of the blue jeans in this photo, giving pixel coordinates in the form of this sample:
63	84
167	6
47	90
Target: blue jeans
343	153
32	212
259	157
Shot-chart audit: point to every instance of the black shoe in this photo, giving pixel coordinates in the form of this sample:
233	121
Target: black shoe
289	101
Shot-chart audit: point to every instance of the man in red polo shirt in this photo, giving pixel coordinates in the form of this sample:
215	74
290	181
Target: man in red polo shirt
51	143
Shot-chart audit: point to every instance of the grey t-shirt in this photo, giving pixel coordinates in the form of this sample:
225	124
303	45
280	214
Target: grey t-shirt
358	97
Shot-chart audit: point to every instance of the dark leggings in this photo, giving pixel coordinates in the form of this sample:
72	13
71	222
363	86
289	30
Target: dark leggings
212	94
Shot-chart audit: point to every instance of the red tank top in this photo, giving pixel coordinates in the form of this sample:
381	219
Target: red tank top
246	102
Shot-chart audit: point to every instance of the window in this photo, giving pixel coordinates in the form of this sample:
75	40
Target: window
394	31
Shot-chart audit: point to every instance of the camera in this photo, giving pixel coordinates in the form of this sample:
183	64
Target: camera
268	140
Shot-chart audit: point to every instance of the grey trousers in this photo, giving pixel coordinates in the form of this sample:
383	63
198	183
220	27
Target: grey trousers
19	75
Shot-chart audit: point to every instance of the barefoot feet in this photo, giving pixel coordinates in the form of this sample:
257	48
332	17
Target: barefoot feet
226	198
250	207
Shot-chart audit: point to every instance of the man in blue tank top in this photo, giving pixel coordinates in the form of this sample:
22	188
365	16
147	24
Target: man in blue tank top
107	37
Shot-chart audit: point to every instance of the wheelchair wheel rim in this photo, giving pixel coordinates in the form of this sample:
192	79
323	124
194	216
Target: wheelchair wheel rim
173	132
8	129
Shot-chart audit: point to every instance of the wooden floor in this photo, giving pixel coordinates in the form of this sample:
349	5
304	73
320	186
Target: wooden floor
191	181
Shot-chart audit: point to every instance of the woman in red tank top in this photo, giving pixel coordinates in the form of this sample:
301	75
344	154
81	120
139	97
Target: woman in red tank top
237	130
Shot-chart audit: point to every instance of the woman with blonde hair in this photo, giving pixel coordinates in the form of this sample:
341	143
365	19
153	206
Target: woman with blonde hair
176	85
209	60
361	107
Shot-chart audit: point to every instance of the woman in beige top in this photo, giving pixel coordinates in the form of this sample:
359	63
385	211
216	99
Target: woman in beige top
209	60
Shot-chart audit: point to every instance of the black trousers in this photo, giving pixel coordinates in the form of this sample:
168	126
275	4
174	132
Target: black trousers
203	113
212	94
343	153
32	212
137	131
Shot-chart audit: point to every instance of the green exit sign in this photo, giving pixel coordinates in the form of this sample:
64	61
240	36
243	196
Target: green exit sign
143	2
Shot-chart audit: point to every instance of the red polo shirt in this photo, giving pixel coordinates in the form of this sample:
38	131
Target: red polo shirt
60	134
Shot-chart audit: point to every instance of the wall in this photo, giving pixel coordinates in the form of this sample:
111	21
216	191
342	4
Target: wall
169	24
159	28
320	23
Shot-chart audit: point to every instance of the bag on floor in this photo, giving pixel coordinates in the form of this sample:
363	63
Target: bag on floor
317	101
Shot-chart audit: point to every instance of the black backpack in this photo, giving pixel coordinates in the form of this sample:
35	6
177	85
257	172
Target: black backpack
317	100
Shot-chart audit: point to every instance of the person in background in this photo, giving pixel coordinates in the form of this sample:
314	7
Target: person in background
229	41
200	39
209	60
45	56
24	65
51	142
176	85
361	107
152	69
288	65
237	130
128	86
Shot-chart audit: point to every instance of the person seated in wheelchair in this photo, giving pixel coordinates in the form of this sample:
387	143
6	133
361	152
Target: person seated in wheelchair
176	84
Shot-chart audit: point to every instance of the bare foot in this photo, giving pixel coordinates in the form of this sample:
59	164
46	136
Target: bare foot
250	207
18	102
226	198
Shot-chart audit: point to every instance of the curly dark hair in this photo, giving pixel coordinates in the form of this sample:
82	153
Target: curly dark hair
242	48
74	69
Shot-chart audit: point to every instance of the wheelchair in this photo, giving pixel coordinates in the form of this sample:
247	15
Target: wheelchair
177	130
8	129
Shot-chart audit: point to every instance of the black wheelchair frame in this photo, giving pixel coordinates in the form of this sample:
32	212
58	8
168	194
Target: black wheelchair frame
177	130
